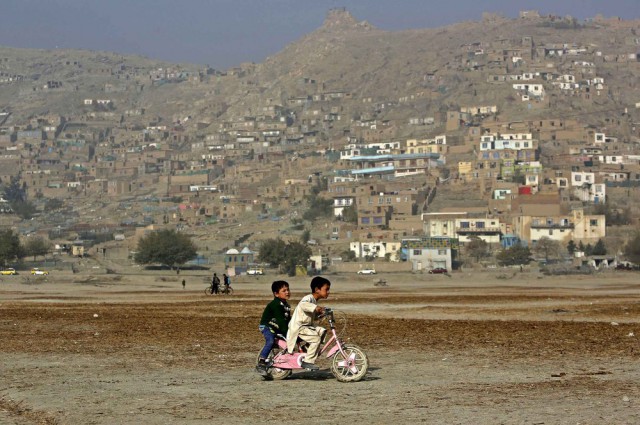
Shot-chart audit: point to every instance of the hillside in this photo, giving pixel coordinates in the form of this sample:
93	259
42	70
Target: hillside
132	137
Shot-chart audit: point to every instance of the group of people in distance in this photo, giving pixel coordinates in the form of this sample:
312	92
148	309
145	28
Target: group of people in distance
215	283
278	320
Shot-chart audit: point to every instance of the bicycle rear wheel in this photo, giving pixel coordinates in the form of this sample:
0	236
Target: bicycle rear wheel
274	372
208	291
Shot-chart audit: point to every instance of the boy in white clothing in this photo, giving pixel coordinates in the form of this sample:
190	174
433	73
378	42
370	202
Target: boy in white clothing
301	324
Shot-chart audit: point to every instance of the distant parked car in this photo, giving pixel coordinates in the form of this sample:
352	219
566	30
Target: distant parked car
8	272
438	270
367	271
39	272
255	271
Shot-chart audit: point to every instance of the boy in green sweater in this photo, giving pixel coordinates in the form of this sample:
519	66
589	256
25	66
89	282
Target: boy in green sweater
275	320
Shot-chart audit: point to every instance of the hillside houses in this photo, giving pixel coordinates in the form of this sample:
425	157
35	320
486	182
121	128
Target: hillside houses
509	138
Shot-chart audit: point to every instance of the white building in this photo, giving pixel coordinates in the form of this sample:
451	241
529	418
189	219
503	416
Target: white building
376	249
340	203
513	141
536	90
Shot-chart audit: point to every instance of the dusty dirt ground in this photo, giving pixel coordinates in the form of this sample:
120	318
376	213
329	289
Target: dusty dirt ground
466	349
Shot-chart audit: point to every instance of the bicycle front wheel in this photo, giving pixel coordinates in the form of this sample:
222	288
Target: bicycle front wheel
208	291
351	368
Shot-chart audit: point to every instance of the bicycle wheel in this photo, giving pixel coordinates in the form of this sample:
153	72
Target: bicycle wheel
229	291
352	368
274	372
207	291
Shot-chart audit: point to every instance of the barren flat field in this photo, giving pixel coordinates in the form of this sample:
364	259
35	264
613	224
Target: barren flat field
470	348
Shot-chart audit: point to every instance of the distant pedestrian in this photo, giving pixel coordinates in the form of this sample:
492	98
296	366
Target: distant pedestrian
184	284
215	284
226	280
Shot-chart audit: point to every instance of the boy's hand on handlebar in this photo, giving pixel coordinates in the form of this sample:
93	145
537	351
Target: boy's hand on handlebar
320	310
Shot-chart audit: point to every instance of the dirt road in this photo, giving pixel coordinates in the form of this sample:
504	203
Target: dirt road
461	350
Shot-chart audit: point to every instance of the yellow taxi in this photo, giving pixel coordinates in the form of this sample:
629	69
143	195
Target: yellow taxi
8	272
39	272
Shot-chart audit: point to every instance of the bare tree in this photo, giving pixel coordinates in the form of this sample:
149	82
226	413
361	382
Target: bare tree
548	248
476	248
37	245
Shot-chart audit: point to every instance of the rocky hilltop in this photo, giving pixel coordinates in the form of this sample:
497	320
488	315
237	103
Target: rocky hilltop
436	68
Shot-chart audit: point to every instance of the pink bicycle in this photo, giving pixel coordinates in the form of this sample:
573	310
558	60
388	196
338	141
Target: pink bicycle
348	362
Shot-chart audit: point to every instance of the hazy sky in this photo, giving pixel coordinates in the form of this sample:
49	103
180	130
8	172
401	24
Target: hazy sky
223	33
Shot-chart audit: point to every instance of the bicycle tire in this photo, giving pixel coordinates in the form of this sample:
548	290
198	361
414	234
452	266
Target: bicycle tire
274	372
207	291
353	370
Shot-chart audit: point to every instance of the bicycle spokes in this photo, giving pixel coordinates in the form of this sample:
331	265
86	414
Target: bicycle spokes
349	363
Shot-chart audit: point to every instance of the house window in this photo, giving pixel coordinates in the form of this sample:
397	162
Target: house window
480	224
389	200
380	200
417	252
442	252
370	201
550	232
578	178
464	224
365	220
377	220
593	222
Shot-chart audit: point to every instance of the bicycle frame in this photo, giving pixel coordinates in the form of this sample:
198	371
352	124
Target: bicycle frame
284	360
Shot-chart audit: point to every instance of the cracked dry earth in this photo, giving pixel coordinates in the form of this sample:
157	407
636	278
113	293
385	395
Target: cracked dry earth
470	349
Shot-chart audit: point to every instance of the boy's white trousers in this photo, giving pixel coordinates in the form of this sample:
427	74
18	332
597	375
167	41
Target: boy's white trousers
312	335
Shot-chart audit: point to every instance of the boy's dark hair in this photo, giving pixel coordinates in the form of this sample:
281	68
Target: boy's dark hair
278	285
318	282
